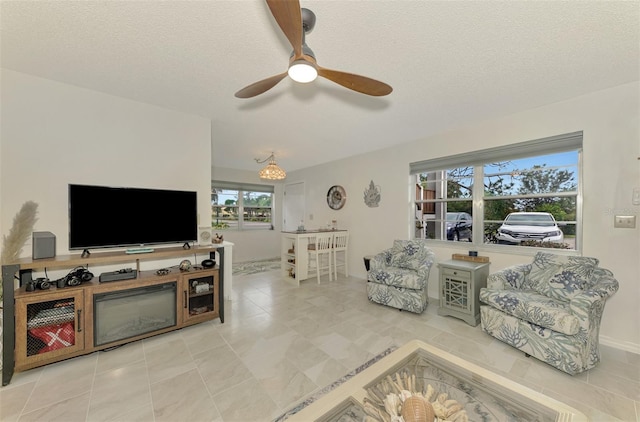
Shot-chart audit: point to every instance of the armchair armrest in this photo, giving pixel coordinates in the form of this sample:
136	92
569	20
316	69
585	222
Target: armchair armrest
380	260
509	278
425	268
589	303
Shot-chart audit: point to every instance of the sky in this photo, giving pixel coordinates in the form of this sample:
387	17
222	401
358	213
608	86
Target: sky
562	161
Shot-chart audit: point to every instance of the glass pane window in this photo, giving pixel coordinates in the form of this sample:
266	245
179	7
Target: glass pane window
443	204
525	195
257	209
241	209
532	201
224	208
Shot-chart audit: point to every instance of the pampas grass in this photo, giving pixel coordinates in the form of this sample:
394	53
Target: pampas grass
22	228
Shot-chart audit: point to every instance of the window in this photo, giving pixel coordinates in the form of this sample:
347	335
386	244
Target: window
241	206
525	194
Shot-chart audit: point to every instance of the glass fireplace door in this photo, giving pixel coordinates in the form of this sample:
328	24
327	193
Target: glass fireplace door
129	313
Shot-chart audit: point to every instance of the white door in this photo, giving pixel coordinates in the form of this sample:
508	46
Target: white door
293	206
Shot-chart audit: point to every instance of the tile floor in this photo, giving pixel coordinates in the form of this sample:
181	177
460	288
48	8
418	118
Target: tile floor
278	344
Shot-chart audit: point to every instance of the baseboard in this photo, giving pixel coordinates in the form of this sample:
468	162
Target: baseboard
622	345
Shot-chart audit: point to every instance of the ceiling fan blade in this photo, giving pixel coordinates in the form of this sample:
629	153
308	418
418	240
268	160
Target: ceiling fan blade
289	17
355	82
260	86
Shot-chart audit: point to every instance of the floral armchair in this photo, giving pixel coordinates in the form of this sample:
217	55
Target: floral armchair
550	309
398	277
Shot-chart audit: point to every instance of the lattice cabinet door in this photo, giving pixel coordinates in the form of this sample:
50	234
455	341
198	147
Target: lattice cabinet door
48	326
460	284
455	290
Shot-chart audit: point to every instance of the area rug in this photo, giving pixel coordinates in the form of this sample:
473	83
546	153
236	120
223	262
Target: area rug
254	267
315	396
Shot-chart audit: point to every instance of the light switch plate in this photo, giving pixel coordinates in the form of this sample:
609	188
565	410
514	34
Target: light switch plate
635	200
625	222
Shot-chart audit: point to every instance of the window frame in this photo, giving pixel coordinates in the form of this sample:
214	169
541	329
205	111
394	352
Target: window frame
477	160
242	189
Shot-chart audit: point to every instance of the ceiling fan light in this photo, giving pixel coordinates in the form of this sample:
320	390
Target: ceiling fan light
302	71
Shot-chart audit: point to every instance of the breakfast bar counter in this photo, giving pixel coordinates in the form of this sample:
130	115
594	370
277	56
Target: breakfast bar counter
294	253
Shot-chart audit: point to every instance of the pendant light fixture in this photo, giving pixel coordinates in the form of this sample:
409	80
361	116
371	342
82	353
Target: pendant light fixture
272	171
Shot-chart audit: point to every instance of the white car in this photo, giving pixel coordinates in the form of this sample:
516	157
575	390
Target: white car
521	226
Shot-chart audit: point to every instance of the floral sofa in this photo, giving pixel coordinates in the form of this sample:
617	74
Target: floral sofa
398	276
549	309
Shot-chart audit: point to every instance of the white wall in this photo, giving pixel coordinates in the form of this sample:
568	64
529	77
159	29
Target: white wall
610	122
253	244
54	134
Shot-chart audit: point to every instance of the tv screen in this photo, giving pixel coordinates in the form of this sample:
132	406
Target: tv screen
101	217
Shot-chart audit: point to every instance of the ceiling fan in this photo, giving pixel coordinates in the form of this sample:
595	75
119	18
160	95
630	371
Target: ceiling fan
295	23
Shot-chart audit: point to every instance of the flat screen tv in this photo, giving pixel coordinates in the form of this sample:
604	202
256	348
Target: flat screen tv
104	217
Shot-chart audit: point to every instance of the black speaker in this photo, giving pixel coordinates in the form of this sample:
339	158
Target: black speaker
43	245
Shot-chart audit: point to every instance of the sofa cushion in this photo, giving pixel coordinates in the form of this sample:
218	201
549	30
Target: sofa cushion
410	254
534	308
560	276
395	276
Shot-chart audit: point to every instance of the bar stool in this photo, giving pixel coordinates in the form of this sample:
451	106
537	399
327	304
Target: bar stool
319	248
340	244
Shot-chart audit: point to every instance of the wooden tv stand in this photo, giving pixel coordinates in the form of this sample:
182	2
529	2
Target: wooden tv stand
71	312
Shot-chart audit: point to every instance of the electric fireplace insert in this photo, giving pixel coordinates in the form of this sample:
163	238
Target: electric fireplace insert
129	313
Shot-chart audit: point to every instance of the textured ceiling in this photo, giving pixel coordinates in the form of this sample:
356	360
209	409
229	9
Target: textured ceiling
449	62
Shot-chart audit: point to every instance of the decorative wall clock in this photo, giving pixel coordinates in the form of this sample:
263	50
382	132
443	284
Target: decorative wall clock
336	197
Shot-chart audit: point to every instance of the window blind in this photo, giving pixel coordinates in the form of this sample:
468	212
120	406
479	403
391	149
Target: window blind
247	187
550	145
